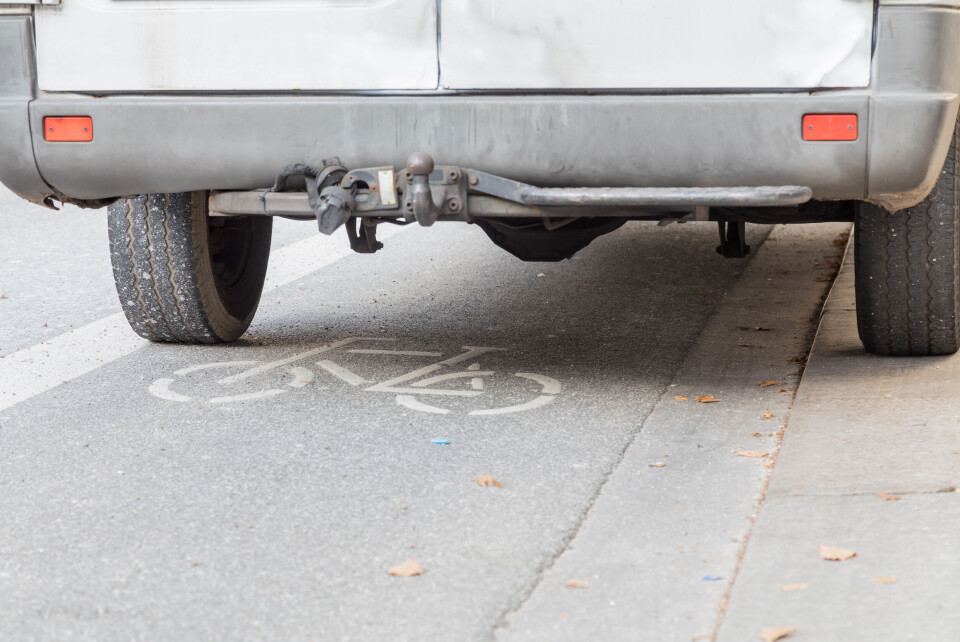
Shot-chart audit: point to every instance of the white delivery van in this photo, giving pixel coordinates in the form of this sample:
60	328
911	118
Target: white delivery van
545	122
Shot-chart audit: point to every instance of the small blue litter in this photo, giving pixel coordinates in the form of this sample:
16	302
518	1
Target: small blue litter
440	442
711	578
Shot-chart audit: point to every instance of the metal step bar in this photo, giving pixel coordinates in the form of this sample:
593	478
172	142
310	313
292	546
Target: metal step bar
602	201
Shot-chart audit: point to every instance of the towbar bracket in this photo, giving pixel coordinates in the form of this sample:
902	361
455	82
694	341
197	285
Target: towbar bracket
733	240
363	236
433	191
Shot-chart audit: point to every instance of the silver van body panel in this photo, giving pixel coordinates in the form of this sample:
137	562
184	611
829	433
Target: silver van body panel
680	44
237	45
914	109
18	167
950	4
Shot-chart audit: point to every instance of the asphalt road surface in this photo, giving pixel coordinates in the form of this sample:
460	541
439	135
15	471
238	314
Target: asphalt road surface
262	490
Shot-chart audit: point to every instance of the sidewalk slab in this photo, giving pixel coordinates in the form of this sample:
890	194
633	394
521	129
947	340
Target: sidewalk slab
662	540
861	425
914	540
865	423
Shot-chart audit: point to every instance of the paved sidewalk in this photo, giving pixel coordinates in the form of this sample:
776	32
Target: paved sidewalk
861	426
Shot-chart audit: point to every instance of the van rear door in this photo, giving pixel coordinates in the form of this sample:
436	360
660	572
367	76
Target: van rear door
237	45
655	44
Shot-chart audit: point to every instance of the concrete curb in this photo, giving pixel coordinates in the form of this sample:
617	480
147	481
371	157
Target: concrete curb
861	425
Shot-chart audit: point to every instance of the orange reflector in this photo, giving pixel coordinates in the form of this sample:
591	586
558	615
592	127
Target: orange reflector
830	127
68	129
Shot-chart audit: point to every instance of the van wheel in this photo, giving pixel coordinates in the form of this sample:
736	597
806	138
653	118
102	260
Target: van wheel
908	271
182	276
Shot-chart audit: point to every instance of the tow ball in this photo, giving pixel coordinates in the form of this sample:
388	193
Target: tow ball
427	192
433	193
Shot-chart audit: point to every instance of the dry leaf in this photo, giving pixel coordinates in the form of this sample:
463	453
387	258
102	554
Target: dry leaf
832	554
767	384
681	398
707	399
885	579
824	278
767	415
783	389
407	569
790	588
774	633
887	497
487	480
756	454
659	464
577	584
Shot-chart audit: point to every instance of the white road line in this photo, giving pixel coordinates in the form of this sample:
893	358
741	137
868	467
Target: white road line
471	352
301	377
161	388
209	366
550	385
273	365
399	353
453	375
342	373
44	366
248	396
414	404
34	370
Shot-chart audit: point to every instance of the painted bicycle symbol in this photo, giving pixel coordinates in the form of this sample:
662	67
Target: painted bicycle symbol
419	389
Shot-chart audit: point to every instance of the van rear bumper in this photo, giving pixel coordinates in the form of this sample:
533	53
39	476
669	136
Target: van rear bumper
179	143
186	143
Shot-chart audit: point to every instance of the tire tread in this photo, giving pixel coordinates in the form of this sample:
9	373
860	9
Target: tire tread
158	250
908	271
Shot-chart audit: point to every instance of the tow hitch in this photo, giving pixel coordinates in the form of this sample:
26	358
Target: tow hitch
425	193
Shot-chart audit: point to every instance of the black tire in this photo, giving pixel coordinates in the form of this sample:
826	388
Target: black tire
182	276
908	270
